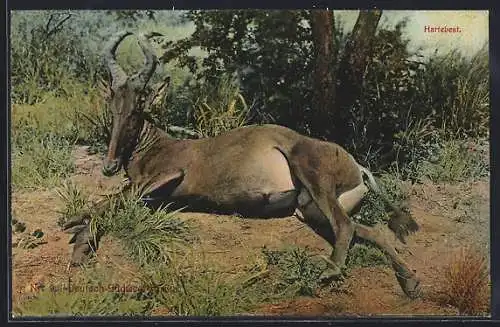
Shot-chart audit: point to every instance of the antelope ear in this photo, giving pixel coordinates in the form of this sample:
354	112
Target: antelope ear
159	91
161	87
104	88
156	94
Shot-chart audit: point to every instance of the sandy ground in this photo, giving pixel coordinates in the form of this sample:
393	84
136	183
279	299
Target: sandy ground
450	216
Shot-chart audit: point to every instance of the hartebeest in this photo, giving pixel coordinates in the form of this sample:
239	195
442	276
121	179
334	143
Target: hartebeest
256	171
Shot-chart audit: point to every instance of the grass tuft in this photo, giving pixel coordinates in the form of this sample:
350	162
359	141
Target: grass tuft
219	108
465	283
74	199
366	255
149	236
298	272
40	160
457	161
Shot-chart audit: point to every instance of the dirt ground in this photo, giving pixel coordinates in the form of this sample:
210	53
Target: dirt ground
450	216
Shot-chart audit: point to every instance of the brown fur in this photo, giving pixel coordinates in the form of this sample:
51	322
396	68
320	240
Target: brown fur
264	170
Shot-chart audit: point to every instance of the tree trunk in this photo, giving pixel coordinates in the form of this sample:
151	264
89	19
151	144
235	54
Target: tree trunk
322	26
352	70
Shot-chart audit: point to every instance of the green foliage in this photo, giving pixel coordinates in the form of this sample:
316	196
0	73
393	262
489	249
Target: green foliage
70	304
456	161
100	122
390	91
373	209
39	160
148	236
456	92
299	273
419	142
48	56
60	116
271	53
195	290
219	108
131	16
366	255
89	295
74	199
410	107
274	47
43	136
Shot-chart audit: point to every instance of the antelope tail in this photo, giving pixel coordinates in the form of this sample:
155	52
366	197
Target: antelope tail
401	223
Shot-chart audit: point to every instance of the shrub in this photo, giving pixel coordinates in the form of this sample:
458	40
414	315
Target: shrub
366	255
373	209
456	161
219	108
49	56
298	272
465	283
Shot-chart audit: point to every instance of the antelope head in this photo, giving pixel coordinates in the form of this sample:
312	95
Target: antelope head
127	96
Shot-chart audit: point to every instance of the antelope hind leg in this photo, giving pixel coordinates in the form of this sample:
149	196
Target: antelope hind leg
407	278
346	203
350	200
338	235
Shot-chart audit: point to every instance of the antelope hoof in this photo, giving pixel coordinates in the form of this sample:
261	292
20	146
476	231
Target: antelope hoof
75	222
410	285
85	245
331	273
81	253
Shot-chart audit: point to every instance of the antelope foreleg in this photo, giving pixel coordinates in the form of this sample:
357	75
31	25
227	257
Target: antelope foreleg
85	241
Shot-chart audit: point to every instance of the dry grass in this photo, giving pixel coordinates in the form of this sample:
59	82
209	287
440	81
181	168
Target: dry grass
466	282
220	108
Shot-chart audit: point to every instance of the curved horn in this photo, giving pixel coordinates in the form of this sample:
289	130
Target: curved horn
118	76
150	59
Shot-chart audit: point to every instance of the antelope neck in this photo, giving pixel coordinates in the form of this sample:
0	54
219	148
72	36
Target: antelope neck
147	137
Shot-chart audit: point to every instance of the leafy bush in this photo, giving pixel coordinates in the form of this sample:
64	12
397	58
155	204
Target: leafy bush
49	56
298	273
402	91
366	255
